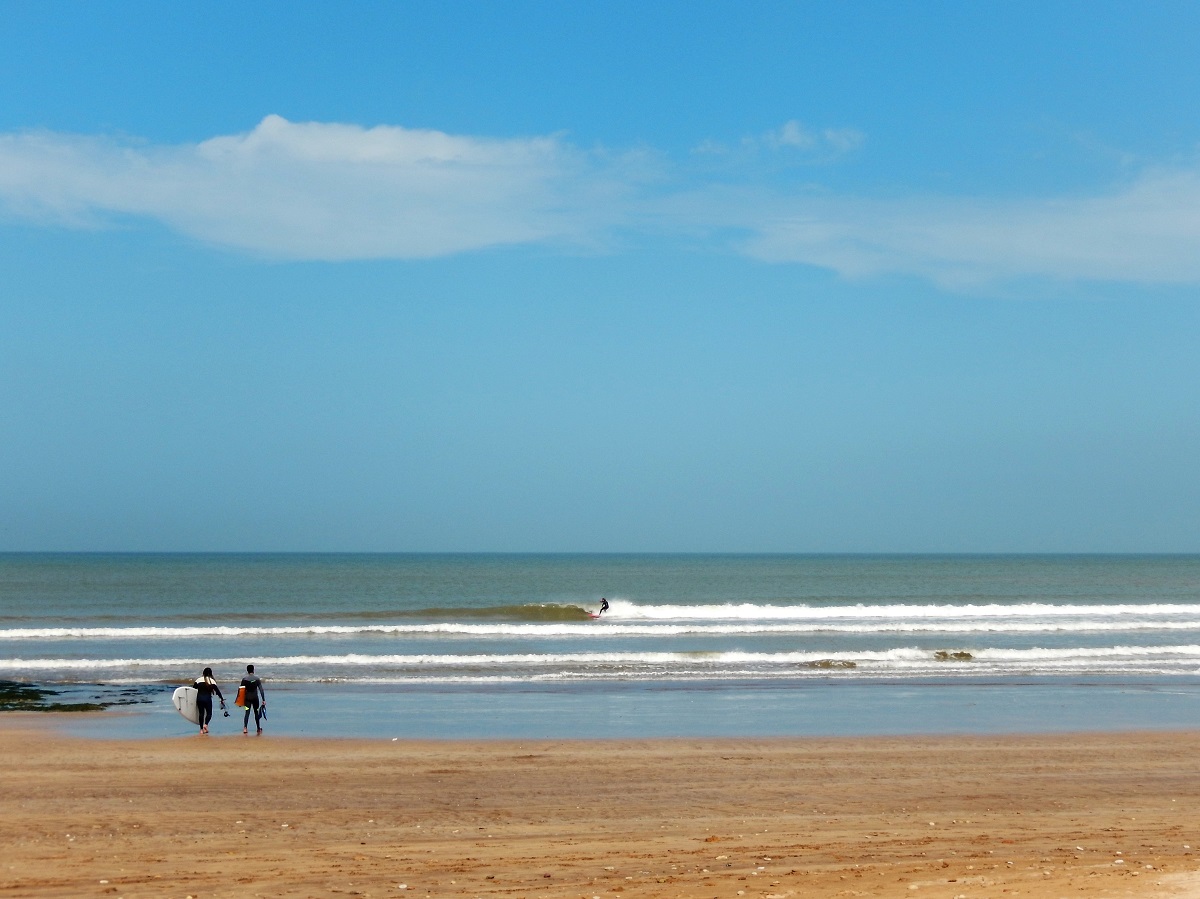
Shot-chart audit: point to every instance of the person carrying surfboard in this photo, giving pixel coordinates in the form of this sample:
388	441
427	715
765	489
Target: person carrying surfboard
253	696
205	688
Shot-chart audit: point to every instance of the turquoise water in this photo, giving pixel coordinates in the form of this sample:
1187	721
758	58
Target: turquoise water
503	645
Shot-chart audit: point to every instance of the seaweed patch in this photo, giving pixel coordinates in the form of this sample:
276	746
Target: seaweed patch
830	663
21	697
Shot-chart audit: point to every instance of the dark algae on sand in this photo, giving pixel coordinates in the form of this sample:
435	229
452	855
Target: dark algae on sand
19	697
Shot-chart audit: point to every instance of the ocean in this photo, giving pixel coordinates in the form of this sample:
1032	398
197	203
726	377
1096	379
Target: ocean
502	646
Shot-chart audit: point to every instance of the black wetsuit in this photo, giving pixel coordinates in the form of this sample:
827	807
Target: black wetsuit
205	688
254	698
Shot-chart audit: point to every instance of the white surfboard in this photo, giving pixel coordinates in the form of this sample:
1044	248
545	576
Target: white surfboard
184	700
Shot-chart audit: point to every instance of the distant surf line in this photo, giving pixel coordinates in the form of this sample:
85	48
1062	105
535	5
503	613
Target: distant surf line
611	629
1048	660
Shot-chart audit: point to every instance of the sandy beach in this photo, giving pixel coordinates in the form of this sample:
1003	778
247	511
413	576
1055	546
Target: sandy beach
1069	815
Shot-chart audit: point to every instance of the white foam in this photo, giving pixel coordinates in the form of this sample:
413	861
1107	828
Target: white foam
899	661
623	609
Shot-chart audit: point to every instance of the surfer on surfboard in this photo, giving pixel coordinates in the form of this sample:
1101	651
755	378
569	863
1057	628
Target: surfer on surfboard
603	606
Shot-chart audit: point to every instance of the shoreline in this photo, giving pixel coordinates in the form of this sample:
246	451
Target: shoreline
935	816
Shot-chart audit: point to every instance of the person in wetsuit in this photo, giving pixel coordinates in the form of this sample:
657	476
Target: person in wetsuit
255	698
205	688
603	605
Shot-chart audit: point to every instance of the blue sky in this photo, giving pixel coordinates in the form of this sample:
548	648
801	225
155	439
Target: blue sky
860	277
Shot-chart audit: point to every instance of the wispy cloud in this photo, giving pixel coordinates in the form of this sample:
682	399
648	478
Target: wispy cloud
798	141
1146	231
334	192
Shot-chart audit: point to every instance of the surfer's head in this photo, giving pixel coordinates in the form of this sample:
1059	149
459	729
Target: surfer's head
249	669
208	672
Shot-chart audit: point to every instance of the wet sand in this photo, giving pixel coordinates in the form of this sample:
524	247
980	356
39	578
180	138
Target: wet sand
1039	816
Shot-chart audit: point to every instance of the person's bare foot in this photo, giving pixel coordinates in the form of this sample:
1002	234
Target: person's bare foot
260	730
245	731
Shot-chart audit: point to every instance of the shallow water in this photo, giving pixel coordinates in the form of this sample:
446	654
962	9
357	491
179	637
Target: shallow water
601	711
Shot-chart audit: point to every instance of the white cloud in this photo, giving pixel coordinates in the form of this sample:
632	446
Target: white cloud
333	192
827	141
317	191
792	134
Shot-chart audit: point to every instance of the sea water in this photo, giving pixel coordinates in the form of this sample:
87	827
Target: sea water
490	646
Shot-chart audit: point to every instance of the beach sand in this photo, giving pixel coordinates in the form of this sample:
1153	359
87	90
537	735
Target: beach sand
1031	816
